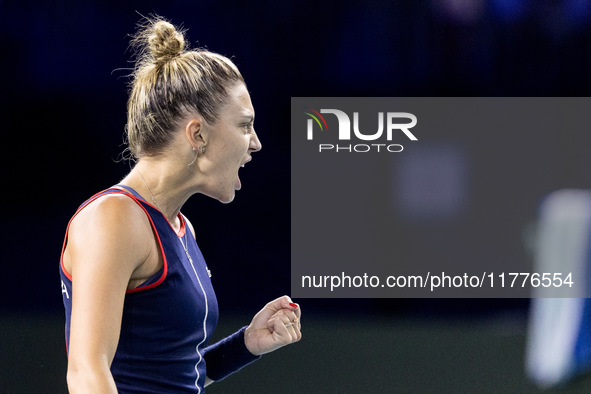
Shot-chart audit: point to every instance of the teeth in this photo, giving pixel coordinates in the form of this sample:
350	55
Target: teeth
242	165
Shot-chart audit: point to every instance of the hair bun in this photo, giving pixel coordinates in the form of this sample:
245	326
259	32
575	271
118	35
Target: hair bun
165	42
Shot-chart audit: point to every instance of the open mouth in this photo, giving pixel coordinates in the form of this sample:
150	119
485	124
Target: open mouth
237	183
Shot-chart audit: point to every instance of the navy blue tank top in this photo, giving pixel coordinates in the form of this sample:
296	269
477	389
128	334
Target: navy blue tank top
167	321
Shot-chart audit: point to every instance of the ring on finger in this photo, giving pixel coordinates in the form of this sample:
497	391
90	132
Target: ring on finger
291	323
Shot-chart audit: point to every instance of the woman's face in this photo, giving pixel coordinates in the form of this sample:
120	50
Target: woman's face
231	141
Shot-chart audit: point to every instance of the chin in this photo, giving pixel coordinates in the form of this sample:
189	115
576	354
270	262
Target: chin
223	196
227	201
227	198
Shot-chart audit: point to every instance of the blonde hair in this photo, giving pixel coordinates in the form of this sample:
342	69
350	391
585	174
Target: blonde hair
168	83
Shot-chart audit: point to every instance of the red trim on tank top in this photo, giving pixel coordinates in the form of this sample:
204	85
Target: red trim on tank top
183	229
137	201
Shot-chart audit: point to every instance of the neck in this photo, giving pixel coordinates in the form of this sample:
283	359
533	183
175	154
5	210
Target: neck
160	184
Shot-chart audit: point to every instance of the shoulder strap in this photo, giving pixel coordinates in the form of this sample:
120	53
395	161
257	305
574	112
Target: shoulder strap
130	190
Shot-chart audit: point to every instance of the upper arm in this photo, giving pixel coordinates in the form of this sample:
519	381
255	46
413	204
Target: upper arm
107	241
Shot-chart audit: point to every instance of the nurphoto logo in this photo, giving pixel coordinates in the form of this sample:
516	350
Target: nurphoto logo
393	126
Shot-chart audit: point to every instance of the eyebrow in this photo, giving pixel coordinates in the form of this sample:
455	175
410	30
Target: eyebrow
249	117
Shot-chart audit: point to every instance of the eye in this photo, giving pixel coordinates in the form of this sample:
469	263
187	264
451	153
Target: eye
247	127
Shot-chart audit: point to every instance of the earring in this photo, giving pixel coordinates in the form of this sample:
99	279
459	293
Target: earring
200	149
191	163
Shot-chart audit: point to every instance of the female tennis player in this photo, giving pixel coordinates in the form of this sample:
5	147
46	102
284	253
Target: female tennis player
140	307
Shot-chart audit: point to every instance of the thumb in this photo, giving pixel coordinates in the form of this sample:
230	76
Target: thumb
283	302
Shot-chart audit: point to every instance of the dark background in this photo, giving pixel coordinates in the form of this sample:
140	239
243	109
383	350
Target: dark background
63	90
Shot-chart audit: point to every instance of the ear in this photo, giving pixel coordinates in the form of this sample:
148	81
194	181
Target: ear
195	133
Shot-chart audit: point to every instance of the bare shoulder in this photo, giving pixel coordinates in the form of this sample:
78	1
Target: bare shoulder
112	227
115	211
189	225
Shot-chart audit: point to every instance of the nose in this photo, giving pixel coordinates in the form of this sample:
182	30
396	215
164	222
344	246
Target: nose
255	143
